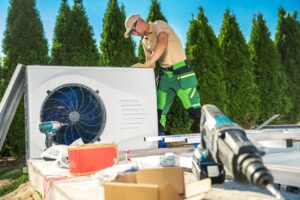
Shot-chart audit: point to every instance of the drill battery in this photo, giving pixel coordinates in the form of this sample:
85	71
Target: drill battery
204	167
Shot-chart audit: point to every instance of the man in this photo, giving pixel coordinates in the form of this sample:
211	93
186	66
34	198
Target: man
160	43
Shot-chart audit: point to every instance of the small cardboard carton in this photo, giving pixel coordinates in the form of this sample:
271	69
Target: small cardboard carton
90	158
149	184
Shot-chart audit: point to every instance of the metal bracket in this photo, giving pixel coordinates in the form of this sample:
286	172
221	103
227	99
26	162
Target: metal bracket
11	100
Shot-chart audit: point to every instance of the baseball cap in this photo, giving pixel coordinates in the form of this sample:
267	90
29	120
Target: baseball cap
129	23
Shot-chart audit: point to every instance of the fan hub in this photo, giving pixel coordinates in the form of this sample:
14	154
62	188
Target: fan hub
74	116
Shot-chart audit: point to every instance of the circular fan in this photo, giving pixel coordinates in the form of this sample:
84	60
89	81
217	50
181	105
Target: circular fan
80	108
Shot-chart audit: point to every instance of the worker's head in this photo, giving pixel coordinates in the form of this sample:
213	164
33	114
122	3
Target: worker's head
135	25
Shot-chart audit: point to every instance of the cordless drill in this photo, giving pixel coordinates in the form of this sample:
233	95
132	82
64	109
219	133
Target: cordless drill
226	144
50	129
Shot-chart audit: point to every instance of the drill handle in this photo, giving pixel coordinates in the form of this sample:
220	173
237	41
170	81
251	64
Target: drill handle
49	140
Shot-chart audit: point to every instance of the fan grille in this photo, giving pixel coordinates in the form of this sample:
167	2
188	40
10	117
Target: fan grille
80	108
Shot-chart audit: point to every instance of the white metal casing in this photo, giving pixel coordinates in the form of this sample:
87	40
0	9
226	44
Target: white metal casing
117	88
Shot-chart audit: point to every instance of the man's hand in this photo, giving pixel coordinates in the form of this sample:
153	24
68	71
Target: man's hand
139	65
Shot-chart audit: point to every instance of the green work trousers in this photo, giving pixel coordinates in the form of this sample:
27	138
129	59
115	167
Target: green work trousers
181	81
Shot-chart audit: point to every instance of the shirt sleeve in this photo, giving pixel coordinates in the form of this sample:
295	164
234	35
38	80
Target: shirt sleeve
161	26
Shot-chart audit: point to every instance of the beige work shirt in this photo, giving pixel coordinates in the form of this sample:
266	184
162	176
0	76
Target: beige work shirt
174	52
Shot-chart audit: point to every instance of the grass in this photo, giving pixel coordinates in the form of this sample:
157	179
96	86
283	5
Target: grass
15	175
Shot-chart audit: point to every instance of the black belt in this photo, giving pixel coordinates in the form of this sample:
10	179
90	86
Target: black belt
181	70
168	68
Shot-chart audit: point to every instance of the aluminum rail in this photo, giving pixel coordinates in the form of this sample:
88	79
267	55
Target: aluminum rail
11	100
173	138
253	135
285	167
151	152
273	134
282	126
267	122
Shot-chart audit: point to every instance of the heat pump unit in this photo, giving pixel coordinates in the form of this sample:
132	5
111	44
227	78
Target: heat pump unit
106	104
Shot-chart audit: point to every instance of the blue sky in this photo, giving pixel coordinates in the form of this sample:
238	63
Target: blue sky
177	12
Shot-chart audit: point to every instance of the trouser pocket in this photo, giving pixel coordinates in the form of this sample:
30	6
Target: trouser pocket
187	80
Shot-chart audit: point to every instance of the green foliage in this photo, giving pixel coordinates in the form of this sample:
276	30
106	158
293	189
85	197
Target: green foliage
2	83
115	49
287	40
15	139
71	28
79	46
15	175
154	14
178	120
204	54
13	185
24	42
243	96
270	78
10	172
60	54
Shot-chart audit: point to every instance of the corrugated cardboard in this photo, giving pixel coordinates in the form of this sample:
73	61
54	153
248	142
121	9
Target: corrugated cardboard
130	191
90	158
147	184
163	176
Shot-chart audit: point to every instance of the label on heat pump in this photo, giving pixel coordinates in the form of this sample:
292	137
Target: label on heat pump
213	171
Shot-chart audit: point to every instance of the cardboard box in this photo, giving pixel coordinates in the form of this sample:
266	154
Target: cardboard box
147	184
90	158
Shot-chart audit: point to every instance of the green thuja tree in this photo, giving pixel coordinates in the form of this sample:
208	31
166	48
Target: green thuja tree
269	75
79	44
60	54
24	42
287	40
2	86
204	54
116	50
155	13
242	91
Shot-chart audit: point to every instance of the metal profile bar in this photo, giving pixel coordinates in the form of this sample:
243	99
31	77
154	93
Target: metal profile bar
282	126
273	134
172	138
285	167
153	139
11	100
267	122
158	151
253	135
193	140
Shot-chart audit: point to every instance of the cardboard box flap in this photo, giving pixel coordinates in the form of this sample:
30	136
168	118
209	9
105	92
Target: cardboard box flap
163	176
127	178
130	191
198	188
167	192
